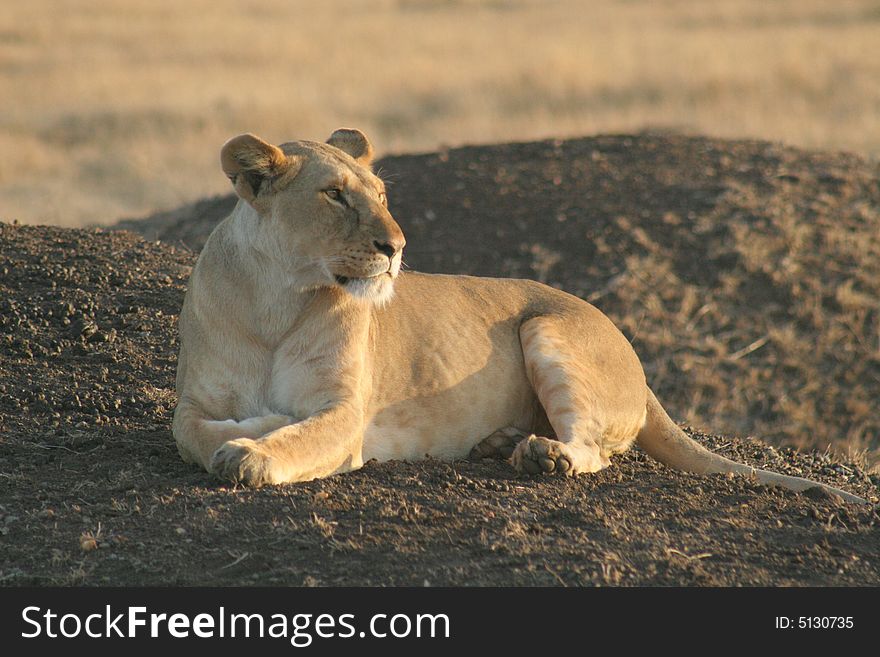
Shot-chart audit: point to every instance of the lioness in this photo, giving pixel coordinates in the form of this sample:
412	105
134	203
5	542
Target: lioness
304	351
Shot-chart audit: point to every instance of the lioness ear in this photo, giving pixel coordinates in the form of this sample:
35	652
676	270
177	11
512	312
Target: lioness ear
353	142
250	163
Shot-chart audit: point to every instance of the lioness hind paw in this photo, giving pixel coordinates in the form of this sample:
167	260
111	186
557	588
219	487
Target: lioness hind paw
537	455
499	445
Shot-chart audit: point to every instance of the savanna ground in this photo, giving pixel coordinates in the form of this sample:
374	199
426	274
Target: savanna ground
117	107
745	273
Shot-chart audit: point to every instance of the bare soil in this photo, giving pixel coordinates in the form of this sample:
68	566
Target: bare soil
93	492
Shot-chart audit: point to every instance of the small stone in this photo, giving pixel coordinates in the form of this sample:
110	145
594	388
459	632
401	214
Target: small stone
822	494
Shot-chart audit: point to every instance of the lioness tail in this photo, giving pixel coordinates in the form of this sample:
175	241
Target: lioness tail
663	440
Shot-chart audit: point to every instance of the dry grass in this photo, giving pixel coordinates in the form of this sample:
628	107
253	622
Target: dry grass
118	107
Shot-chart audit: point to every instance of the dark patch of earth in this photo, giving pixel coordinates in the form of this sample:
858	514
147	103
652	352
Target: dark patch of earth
92	491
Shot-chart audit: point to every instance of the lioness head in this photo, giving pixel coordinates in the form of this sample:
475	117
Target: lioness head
320	208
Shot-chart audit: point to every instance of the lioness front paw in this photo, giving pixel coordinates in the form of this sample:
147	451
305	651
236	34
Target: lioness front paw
537	454
243	461
259	426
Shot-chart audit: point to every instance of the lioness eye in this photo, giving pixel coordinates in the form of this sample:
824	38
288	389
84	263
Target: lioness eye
335	194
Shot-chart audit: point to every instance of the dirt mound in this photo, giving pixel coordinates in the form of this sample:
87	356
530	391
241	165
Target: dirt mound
93	492
747	274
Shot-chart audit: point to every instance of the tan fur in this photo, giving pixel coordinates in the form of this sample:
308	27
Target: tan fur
304	353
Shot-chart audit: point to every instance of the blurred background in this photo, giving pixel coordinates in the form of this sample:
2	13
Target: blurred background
118	108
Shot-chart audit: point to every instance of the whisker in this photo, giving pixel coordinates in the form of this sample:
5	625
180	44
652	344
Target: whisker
386	177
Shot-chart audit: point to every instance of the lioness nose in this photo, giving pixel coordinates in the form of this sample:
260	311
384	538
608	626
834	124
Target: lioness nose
388	248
